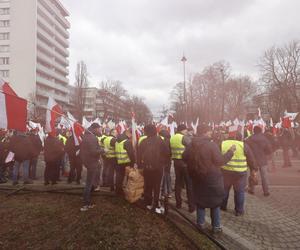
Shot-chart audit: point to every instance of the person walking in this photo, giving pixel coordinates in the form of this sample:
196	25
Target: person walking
204	160
167	181
261	148
178	143
53	152
151	158
110	160
74	159
37	148
90	152
22	148
125	157
236	170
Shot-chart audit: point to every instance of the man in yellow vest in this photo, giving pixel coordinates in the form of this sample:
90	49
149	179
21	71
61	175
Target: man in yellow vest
235	171
178	143
110	160
125	157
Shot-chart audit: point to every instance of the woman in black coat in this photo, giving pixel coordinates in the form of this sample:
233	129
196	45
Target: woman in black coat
204	160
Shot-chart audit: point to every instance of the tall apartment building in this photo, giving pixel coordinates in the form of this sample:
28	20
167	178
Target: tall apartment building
34	42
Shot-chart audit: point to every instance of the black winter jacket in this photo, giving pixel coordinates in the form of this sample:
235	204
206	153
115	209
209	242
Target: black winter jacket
208	188
54	149
261	147
90	150
22	147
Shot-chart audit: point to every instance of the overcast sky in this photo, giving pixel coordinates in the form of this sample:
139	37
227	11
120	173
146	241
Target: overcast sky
141	42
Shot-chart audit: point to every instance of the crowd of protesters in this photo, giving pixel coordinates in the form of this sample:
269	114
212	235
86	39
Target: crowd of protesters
206	163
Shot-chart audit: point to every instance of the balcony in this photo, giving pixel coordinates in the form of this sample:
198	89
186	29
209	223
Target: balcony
52	41
46	93
51	84
60	18
51	73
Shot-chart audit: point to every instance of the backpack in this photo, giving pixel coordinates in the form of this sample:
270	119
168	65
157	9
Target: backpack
151	155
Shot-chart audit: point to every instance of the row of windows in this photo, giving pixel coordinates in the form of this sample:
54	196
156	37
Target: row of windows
4	48
4	73
4	36
4	23
4	11
4	60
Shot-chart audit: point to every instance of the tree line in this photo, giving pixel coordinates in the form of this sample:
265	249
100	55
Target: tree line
216	94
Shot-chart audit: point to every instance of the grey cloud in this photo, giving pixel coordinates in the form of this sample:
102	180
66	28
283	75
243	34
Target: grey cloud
140	42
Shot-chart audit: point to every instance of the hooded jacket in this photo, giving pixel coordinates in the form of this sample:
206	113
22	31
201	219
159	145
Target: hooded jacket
208	188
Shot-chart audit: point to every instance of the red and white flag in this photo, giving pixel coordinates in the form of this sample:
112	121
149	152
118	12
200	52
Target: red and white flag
53	112
77	129
13	109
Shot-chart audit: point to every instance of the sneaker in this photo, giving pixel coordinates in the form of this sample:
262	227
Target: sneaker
91	206
149	207
84	208
217	230
158	210
169	196
239	213
97	189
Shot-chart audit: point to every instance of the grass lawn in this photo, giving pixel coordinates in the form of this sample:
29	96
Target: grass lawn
53	221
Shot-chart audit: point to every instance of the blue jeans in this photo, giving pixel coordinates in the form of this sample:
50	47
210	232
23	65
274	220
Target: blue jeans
239	182
92	174
214	215
166	183
264	179
32	168
16	169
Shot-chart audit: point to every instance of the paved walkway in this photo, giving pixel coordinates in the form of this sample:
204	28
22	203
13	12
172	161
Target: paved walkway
269	222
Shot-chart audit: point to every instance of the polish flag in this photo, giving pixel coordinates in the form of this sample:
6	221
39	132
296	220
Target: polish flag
77	129
53	112
13	109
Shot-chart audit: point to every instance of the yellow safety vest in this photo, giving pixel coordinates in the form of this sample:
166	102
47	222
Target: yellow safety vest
177	147
62	138
100	138
121	153
141	139
110	151
238	163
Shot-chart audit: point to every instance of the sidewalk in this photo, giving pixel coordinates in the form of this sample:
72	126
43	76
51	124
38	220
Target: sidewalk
269	222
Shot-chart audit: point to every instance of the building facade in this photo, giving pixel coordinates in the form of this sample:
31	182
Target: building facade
99	103
34	42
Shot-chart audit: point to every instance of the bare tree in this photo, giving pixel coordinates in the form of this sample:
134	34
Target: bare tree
81	82
280	71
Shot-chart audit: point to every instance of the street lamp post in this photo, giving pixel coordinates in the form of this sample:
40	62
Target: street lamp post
223	94
183	60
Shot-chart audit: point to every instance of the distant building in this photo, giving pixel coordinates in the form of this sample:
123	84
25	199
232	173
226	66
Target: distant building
34	42
102	104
